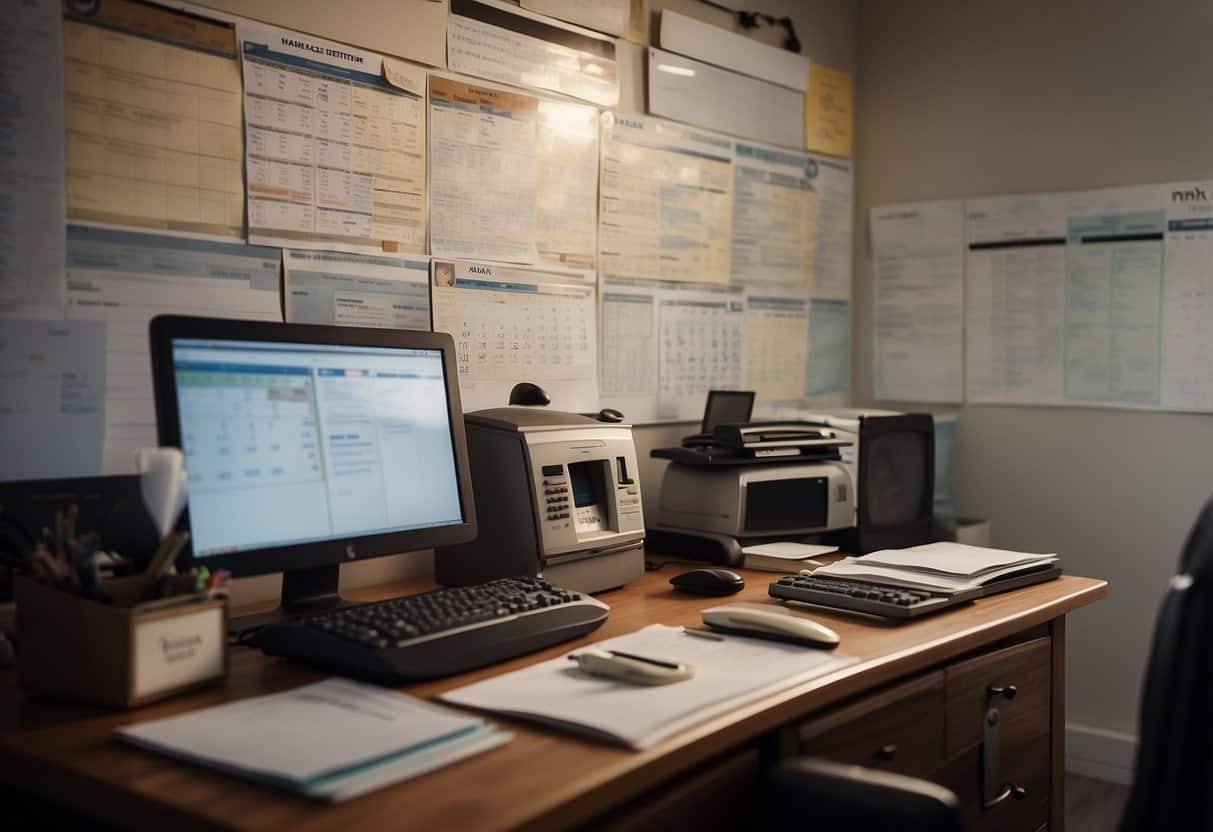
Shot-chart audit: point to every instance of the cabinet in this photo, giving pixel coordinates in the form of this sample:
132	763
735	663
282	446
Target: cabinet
984	717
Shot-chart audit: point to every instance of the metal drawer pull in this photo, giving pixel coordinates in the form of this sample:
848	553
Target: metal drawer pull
1005	691
1011	791
887	752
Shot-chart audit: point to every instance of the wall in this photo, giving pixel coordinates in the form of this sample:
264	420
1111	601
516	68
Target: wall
826	29
984	97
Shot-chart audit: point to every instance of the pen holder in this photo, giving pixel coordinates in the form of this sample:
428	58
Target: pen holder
117	655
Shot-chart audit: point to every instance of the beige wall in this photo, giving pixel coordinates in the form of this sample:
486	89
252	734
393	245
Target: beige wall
983	97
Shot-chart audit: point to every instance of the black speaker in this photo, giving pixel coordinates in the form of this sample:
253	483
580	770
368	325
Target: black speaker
892	465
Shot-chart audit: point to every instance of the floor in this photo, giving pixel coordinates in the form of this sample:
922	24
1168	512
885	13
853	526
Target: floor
1093	805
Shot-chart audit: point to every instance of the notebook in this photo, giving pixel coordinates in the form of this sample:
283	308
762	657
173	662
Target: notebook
331	740
729	673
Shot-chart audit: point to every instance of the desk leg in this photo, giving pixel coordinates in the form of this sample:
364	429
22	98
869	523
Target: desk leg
1057	727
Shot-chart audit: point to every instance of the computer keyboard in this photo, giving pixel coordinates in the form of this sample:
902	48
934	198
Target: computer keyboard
864	596
435	633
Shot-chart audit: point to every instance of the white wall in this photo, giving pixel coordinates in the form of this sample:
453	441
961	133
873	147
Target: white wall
983	97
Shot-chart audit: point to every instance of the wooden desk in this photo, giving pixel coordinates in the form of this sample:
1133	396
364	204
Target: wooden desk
543	779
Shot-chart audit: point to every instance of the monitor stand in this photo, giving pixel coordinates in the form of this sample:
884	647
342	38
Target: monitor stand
304	592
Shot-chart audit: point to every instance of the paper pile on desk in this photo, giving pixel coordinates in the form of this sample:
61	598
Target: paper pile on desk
937	566
729	674
330	740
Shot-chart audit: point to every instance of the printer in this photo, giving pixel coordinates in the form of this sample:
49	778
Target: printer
556	495
745	483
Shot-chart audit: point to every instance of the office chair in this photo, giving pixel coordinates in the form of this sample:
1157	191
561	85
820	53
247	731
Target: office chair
808	793
1173	784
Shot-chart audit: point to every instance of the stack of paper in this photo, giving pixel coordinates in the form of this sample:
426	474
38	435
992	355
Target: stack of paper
948	567
330	740
783	556
729	673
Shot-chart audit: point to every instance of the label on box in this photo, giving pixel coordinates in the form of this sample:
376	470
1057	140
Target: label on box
179	650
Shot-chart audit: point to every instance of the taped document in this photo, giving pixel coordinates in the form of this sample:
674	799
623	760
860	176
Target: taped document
347	289
693	38
777	333
31	154
918	331
829	115
566	184
501	42
482	172
512	324
774	218
336	144
666	201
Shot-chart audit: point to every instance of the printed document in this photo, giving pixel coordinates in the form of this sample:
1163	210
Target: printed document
832	269
512	325
501	42
336	144
566	195
482	172
31	154
918	327
52	398
123	279
774	218
829	116
776	344
152	102
1187	383
666	201
828	369
728	675
349	289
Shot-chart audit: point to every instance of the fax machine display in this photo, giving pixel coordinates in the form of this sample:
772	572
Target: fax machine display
589	491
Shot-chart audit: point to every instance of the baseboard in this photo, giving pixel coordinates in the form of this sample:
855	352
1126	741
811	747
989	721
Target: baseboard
1096	752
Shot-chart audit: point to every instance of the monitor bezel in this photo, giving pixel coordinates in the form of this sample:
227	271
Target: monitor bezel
164	329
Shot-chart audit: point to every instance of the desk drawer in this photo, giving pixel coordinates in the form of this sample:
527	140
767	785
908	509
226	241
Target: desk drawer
1025	719
900	729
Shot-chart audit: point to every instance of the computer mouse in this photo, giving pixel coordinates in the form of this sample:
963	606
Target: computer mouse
609	414
708	582
764	621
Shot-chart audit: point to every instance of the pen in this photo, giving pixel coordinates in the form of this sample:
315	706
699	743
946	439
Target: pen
699	632
635	658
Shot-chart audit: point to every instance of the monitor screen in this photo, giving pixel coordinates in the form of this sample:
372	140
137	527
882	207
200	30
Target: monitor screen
288	443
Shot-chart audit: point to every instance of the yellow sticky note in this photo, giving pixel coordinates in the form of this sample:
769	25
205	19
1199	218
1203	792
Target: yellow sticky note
829	111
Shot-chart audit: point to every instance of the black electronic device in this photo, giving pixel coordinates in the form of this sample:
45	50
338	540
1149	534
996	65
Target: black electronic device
726	407
891	460
311	446
708	582
436	633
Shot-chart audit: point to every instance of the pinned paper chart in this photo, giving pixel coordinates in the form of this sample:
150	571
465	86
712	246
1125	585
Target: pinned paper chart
347	289
774	217
832	262
828	369
666	201
152	101
482	172
776	344
918	342
336	144
566	186
664	345
512	325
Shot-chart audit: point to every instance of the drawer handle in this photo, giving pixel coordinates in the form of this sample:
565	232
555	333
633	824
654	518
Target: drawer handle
1005	691
1010	790
887	752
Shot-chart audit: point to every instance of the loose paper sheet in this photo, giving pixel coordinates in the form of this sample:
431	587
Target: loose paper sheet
152	102
832	269
666	201
664	345
31	154
512	325
774	218
777	339
482	172
504	43
347	289
918	331
828	369
123	279
566	159
336	144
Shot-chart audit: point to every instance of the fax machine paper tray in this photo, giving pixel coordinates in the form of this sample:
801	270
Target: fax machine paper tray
824	451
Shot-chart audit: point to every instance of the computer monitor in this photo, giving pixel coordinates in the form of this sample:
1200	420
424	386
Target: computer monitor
311	446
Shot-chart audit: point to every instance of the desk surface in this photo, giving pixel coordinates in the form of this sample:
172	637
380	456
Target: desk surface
543	778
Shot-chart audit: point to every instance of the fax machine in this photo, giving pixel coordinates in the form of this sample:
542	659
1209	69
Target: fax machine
556	495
